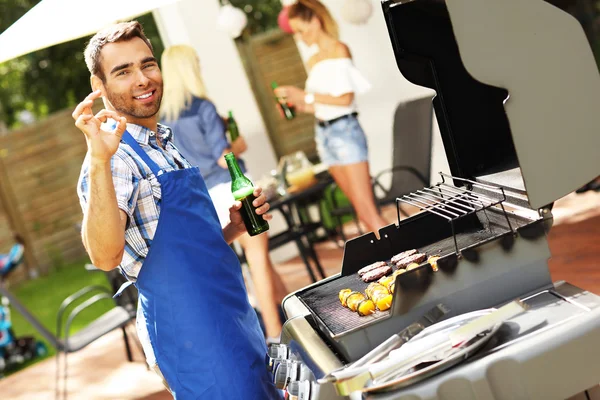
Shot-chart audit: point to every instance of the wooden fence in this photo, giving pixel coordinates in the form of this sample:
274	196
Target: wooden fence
274	57
39	168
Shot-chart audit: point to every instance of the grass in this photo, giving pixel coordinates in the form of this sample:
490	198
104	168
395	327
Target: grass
43	296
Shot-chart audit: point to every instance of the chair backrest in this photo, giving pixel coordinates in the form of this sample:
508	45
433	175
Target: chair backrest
412	130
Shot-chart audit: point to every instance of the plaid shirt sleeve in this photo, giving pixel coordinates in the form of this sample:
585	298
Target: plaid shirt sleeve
126	185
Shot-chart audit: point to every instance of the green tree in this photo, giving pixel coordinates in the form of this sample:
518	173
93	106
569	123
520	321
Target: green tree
50	79
262	14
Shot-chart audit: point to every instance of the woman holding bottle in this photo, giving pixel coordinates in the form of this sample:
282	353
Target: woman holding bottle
199	134
329	94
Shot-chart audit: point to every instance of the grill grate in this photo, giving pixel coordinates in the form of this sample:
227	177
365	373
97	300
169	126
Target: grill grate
322	300
325	304
452	203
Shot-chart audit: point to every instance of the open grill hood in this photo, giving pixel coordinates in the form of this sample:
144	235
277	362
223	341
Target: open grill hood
517	103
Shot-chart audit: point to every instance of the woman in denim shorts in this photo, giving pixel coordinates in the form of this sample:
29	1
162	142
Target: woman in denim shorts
332	82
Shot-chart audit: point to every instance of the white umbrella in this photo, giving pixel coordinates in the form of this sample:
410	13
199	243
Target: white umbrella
52	22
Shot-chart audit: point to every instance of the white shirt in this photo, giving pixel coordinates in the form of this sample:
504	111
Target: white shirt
335	77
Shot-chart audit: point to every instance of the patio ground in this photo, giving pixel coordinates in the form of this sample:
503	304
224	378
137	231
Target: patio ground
101	371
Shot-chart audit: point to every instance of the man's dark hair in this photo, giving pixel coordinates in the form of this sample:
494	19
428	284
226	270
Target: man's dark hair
121	32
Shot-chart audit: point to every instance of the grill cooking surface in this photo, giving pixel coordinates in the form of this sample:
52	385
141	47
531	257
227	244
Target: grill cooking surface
323	300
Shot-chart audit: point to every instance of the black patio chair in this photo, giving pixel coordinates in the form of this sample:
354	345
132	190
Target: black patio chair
411	162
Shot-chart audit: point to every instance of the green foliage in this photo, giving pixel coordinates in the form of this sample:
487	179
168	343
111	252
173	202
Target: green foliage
50	79
262	14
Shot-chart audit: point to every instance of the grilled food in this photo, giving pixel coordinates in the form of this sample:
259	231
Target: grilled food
376	273
354	299
433	262
387	280
402	255
392	287
343	295
380	295
374	288
415	258
365	307
398	272
383	302
412	266
371	267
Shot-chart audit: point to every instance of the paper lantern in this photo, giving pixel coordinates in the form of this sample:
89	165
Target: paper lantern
232	20
357	11
283	20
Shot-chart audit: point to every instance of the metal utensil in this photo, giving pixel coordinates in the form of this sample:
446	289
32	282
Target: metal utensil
394	366
393	342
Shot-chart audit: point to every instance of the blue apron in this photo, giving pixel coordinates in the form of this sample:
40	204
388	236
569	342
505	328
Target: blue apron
205	335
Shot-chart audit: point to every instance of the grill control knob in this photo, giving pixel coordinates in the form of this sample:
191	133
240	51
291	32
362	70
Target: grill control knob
305	374
299	390
287	371
275	353
278	350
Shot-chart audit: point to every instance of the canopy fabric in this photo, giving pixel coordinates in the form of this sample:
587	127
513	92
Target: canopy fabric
52	22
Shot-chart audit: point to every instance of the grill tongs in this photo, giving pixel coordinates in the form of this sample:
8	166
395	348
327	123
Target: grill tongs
380	352
354	378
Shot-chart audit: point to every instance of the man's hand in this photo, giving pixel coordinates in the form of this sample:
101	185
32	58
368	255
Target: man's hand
236	226
102	145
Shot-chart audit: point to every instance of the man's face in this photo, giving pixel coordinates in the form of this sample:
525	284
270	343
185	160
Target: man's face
133	83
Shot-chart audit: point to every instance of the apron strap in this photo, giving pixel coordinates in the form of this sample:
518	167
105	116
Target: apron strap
124	286
127	138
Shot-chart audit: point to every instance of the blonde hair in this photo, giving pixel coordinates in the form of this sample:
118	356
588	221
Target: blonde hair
306	9
182	80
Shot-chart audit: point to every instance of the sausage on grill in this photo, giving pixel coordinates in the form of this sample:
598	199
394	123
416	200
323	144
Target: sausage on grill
415	258
371	267
376	273
402	255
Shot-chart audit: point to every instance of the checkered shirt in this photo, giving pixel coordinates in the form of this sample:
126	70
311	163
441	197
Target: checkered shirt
138	190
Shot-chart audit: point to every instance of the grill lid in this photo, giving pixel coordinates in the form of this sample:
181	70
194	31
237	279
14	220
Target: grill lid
517	104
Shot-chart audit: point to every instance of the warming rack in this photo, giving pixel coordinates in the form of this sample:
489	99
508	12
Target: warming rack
452	203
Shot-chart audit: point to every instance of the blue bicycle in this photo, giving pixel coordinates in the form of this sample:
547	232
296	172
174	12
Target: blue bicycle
14	350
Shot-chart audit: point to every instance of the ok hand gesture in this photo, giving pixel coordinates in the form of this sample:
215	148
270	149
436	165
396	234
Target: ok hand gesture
102	145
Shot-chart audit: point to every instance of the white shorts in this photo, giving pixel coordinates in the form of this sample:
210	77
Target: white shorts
223	199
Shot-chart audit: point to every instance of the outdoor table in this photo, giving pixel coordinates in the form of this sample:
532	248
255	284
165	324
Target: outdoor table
298	230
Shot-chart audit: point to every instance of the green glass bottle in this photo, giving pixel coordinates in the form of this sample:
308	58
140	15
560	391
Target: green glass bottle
243	190
232	127
286	108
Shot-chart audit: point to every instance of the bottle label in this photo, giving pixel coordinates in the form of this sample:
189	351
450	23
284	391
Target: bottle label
243	193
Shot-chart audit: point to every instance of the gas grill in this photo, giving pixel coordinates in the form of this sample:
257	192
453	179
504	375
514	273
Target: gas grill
517	91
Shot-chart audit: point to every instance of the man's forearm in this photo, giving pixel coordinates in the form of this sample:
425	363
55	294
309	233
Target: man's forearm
230	233
103	233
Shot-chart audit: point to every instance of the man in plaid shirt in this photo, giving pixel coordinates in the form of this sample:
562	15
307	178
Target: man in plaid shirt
147	211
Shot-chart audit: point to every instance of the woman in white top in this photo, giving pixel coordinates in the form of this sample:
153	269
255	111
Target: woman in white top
329	94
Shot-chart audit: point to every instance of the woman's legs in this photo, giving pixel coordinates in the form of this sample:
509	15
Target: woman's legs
269	288
355	182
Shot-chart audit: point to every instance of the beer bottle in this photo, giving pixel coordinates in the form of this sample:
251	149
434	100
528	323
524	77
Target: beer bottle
243	190
232	127
286	108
